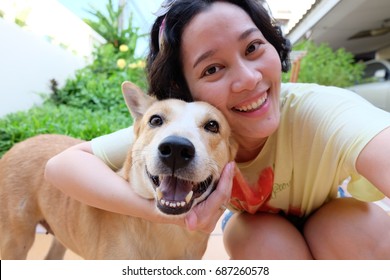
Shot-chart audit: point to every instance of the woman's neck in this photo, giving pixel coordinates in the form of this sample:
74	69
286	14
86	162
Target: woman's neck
249	151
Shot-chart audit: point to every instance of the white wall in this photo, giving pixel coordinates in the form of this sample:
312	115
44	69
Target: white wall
27	63
53	43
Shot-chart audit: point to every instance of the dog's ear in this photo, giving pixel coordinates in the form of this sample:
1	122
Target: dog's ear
136	100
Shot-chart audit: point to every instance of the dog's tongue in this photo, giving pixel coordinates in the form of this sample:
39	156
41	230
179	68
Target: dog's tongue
175	189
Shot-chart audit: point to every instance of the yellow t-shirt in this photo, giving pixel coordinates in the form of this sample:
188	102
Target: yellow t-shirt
321	133
112	148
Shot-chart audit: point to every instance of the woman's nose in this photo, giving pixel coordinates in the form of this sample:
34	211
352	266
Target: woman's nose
245	77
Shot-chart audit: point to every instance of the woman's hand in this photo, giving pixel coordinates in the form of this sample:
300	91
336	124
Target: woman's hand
204	216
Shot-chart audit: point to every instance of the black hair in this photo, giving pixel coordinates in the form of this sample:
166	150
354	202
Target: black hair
164	64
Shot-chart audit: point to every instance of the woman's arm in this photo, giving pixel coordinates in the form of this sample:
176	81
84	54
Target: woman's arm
84	177
374	161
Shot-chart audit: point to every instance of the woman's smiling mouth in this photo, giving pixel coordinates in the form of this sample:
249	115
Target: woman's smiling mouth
252	106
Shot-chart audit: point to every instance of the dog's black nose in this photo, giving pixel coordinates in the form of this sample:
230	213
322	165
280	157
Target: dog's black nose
176	152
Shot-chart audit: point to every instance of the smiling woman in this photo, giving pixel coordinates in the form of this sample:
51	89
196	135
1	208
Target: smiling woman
296	142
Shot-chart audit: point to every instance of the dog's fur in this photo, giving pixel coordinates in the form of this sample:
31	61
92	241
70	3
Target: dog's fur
177	145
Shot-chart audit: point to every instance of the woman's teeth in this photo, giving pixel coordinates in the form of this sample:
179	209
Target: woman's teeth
254	105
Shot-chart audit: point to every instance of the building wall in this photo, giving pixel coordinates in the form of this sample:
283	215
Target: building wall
27	64
52	44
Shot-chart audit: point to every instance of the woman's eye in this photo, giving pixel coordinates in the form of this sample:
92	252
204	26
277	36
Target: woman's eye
212	126
211	70
155	121
252	47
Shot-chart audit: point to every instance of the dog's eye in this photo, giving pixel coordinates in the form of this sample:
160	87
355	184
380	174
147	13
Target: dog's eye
155	121
212	126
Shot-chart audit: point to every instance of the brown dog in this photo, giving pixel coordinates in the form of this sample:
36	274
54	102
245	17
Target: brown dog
179	152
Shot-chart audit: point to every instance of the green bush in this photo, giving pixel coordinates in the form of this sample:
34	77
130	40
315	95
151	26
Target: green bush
98	86
324	66
80	123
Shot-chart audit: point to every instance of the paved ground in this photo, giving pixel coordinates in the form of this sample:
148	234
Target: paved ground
215	249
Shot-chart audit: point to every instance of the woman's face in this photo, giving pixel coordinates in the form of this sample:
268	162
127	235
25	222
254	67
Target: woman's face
228	63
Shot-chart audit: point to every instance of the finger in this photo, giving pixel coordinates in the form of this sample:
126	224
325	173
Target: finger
222	193
224	189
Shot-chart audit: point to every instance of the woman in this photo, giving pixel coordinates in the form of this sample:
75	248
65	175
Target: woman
297	142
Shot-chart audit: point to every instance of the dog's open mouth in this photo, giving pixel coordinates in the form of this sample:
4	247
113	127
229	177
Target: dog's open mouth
175	196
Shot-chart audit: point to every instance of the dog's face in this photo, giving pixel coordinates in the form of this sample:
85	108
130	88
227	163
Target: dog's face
179	150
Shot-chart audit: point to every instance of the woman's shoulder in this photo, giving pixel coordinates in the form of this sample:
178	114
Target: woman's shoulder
112	148
300	89
318	95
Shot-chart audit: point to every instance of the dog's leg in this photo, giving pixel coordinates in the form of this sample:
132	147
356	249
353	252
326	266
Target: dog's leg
16	242
56	251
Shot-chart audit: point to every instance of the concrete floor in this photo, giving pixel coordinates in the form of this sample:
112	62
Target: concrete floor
215	249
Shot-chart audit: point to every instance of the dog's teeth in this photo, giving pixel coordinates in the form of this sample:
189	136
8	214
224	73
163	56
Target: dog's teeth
159	194
189	196
174	204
